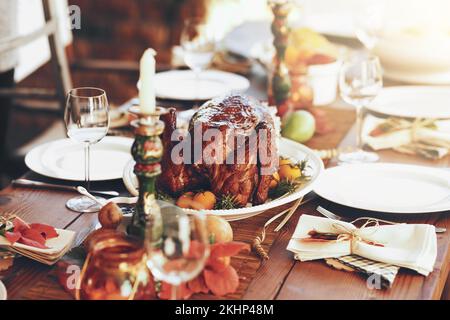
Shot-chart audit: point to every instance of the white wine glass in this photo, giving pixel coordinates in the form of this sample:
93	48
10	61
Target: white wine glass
360	81
87	121
198	41
178	246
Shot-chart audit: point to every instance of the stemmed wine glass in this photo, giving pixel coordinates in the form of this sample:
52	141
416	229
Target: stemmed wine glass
199	43
177	246
360	80
87	121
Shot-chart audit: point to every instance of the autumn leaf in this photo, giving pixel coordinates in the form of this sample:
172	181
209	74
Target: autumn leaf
227	249
221	283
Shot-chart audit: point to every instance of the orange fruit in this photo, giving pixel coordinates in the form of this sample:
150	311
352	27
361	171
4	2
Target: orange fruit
275	180
284	161
204	201
289	172
185	200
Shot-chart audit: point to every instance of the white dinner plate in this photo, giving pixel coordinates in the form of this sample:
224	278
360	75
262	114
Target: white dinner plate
288	148
441	77
387	187
64	159
413	102
183	85
3	294
248	38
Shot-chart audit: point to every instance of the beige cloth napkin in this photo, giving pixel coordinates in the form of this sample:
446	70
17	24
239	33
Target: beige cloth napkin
431	143
412	246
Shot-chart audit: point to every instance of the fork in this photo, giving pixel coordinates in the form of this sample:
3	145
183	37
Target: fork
333	216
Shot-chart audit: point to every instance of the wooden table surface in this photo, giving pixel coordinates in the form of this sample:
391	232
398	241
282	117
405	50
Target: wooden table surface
281	277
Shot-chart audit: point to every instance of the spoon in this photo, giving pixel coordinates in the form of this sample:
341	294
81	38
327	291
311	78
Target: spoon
84	192
123	200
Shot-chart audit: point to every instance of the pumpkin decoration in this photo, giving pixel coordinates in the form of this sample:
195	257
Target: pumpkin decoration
110	216
219	230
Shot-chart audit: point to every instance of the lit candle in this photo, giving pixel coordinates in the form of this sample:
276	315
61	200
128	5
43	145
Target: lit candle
147	97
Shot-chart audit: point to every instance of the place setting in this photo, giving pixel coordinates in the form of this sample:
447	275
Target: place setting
209	183
198	46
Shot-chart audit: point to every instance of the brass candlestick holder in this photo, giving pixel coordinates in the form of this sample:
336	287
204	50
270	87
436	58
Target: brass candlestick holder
147	151
280	87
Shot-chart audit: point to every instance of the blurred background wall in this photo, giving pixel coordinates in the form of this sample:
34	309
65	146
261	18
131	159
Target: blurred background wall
120	30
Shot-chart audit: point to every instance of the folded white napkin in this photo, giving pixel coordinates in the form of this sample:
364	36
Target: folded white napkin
412	246
439	137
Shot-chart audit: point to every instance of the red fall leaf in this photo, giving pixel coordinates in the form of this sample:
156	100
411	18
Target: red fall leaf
48	232
221	283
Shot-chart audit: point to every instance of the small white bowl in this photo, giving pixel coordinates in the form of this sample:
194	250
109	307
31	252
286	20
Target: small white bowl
323	79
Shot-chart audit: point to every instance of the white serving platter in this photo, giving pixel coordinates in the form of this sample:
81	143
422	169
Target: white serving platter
288	149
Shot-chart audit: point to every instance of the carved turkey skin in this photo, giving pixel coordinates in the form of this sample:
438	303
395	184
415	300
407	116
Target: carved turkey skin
232	151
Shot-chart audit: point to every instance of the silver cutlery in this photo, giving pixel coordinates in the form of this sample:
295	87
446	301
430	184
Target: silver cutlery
333	216
43	185
86	193
102	202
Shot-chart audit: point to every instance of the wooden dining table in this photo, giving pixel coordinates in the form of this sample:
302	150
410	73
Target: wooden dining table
278	278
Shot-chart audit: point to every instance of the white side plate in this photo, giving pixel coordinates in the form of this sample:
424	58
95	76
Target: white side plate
182	84
389	188
64	159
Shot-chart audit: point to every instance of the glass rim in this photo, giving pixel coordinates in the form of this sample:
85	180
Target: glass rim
72	93
368	58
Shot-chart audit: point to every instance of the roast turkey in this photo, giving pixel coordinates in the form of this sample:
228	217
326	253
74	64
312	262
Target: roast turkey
230	149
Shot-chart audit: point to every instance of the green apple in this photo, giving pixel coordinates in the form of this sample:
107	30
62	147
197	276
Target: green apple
299	126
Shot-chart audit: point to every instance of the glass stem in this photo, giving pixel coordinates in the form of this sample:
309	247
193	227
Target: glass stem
174	293
87	169
197	86
359	114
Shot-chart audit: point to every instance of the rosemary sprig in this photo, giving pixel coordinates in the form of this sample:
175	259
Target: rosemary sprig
286	186
226	202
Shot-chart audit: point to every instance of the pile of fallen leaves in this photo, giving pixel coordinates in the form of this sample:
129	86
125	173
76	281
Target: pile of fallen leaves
34	234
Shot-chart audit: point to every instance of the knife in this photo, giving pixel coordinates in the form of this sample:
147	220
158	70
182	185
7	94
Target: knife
43	185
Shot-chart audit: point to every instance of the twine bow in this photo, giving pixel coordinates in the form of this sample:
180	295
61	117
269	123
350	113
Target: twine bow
417	124
347	234
354	236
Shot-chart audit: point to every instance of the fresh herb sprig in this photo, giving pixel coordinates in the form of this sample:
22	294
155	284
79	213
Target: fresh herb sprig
288	186
226	202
